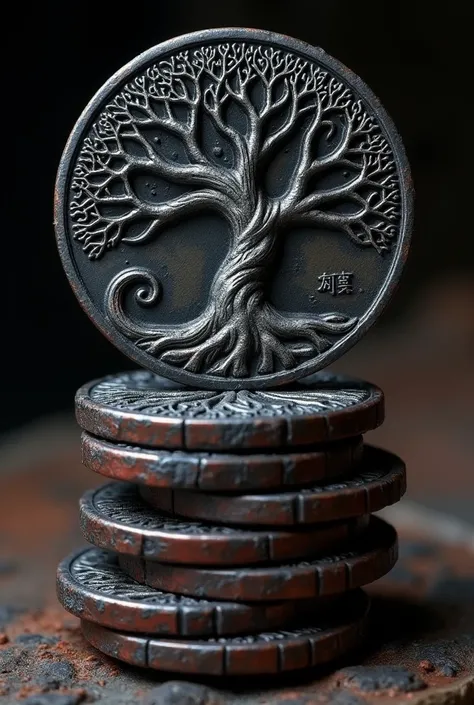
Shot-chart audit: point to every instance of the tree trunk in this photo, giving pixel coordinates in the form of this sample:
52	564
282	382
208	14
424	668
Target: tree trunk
238	287
239	333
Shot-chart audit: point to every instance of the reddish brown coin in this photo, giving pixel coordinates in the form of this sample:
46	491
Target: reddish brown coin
381	481
370	558
144	409
320	640
115	517
91	585
221	472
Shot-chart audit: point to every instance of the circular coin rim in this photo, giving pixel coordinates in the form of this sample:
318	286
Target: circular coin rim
113	424
381	539
67	583
117	455
64	240
396	470
192	645
243	537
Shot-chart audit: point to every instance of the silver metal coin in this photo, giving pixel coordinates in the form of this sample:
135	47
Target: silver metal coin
147	410
92	586
233	209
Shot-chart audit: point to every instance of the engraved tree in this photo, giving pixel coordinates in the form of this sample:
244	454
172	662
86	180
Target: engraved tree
255	100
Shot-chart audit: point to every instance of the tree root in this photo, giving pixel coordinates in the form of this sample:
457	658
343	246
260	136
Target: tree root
276	341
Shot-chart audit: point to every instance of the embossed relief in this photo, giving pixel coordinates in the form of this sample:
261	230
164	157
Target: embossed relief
121	393
123	505
253	99
98	570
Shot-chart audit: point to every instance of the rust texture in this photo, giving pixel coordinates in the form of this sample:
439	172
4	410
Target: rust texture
381	482
115	601
266	653
421	647
372	557
233	433
423	615
221	472
126	524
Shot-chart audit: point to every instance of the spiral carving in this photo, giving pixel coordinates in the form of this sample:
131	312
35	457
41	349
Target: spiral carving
148	294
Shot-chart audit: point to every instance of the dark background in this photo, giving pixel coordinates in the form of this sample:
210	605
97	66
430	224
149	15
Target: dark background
416	56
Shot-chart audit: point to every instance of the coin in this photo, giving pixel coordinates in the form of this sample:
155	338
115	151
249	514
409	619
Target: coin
91	585
369	558
206	471
319	641
381	481
233	209
114	517
144	409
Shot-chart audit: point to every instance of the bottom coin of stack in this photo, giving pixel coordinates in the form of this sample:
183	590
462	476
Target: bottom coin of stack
244	533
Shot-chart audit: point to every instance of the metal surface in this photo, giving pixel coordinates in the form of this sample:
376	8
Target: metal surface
316	642
380	481
91	586
114	517
366	560
219	471
139	407
233	209
423	612
421	625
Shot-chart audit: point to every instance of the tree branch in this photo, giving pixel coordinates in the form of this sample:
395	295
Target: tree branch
377	234
333	194
300	173
337	153
104	231
165	87
285	128
171	97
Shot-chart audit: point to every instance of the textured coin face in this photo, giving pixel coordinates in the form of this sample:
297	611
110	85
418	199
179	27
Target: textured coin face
319	641
92	586
380	482
233	209
140	407
116	518
368	559
220	471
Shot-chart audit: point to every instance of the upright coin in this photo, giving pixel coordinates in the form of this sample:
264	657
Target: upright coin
141	408
114	517
206	471
233	209
380	482
368	559
320	640
92	586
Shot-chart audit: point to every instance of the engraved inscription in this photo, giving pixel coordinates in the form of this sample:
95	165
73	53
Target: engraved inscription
337	283
253	99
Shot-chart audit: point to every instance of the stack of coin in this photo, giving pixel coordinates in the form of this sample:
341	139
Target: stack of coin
233	212
242	514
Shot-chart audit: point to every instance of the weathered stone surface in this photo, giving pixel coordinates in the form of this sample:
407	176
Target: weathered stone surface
382	678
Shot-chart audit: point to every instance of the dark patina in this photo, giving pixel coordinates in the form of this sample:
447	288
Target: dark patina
221	471
233	209
91	585
366	560
139	407
380	481
114	517
317	641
